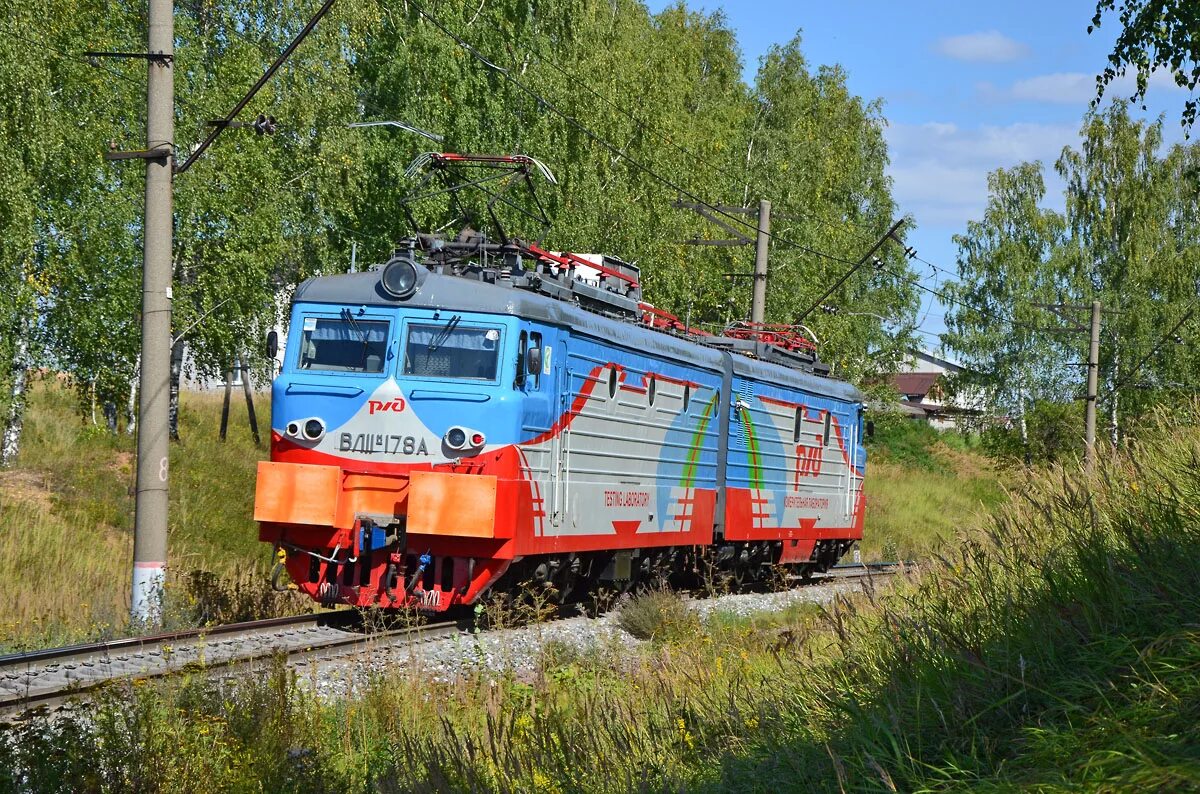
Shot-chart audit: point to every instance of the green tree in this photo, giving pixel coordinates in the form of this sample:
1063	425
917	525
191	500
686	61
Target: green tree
257	213
1006	263
1155	35
1132	245
55	107
1129	239
24	85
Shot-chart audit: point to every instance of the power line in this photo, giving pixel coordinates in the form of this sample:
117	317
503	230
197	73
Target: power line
1168	335
249	95
544	102
946	299
935	267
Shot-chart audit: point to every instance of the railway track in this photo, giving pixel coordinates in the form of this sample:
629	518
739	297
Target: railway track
35	682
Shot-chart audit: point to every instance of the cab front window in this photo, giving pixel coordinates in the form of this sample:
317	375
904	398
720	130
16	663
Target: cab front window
452	351
344	344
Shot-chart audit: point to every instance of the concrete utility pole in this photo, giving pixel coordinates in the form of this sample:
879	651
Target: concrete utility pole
150	520
710	212
758	300
1069	314
1093	379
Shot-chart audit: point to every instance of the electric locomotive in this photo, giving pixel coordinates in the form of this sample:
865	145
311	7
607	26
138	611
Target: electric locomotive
473	415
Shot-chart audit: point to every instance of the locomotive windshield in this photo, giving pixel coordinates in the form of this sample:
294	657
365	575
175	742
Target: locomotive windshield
343	345
450	351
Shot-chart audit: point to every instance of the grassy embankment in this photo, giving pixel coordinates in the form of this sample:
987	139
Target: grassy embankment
922	487
66	520
1054	647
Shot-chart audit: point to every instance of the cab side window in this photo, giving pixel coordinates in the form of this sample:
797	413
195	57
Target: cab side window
535	343
522	364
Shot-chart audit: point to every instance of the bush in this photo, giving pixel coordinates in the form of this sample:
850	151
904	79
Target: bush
1055	433
658	615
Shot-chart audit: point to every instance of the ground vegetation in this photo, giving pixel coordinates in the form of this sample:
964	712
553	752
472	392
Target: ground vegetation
1052	648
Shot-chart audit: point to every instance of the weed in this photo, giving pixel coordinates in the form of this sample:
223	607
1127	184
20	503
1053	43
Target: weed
659	615
532	602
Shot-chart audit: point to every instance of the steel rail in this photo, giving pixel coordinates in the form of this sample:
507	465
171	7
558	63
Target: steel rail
34	682
69	652
37	681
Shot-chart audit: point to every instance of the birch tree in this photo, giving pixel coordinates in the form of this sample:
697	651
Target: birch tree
1007	262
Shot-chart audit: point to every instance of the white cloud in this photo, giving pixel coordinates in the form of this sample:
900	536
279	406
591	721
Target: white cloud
989	47
939	171
1071	88
1078	88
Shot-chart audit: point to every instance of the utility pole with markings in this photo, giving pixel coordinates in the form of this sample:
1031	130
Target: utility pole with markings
150	517
154	383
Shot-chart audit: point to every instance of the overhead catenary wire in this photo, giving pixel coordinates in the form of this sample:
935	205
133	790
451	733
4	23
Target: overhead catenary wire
604	143
1125	381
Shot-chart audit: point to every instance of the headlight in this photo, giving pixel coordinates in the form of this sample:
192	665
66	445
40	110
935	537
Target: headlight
314	429
399	278
462	439
456	438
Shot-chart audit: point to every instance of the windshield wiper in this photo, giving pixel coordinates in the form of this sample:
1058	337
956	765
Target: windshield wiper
444	334
358	329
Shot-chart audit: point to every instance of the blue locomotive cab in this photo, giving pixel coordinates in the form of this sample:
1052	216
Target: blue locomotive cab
386	384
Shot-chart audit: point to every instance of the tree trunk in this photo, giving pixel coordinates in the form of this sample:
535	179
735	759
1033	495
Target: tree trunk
131	407
11	441
1024	431
1116	378
176	374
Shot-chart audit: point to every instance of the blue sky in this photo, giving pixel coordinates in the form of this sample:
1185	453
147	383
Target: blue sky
967	87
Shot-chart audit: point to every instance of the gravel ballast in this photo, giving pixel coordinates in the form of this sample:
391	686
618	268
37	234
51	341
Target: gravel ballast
516	651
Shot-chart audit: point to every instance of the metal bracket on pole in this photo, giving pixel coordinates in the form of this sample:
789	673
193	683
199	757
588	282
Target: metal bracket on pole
706	212
160	58
157	153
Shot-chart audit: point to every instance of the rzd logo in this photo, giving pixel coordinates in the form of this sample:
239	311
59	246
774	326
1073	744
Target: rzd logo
809	460
431	598
395	406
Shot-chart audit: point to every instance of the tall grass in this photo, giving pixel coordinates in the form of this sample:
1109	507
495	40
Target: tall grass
914	508
1054	647
66	518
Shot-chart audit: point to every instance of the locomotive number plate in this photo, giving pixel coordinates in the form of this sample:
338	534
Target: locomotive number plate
382	444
